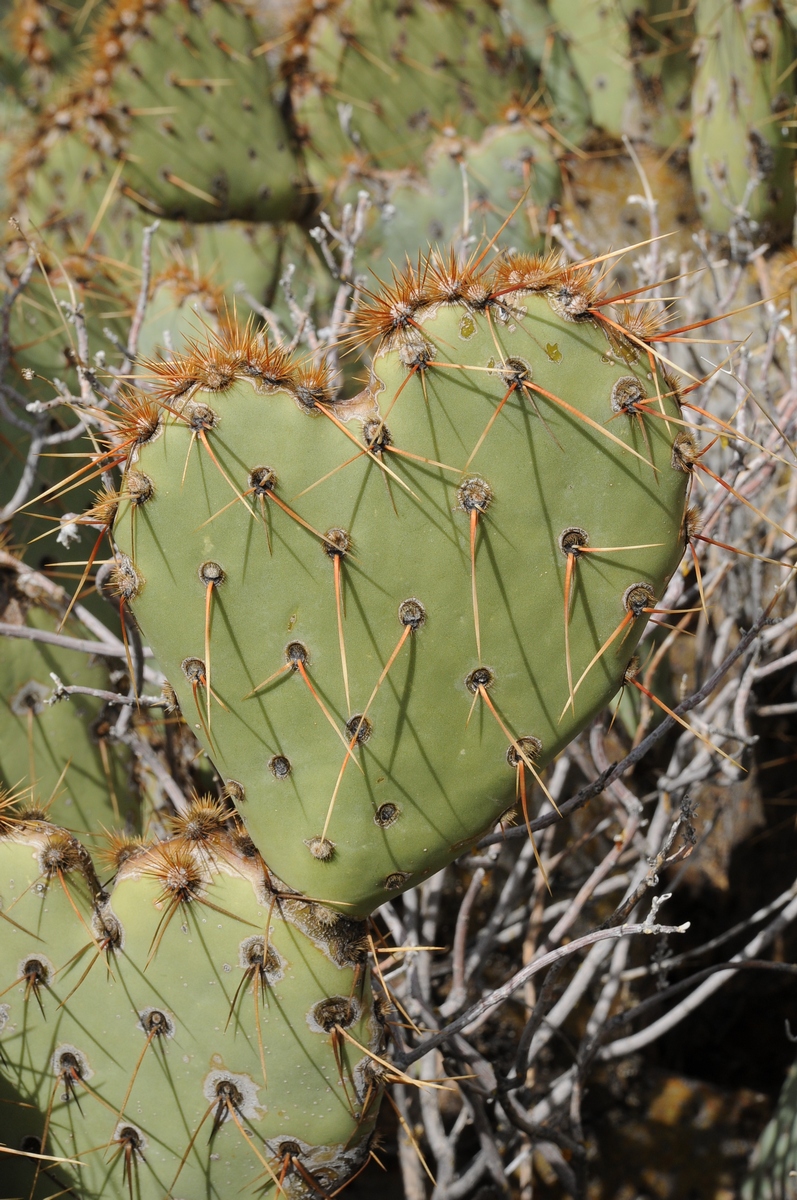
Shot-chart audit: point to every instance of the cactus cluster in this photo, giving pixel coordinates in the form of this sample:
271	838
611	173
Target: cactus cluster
382	605
205	112
210	114
381	614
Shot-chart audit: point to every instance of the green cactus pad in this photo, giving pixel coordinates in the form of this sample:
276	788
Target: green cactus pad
509	178
373	81
43	351
598	39
72	197
223	572
45	40
633	61
42	336
774	1161
200	268
185	99
741	155
562	90
196	1032
662	39
58	756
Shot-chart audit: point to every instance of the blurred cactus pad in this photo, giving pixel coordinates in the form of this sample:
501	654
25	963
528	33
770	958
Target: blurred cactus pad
58	752
217	110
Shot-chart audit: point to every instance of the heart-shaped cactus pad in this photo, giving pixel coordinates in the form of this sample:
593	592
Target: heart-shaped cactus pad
383	615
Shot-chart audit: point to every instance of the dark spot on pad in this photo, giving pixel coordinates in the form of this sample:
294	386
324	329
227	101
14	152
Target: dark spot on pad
262	480
295	652
194	670
279	766
289	1150
531	748
211	574
482	677
337	543
411	612
361	727
638	597
515	372
474	495
336	1010
201	417
627	393
572	540
156	1024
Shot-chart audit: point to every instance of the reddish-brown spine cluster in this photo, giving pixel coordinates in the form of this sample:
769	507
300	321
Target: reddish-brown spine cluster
391	315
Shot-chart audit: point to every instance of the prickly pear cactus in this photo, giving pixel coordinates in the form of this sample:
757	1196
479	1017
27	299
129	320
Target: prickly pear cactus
384	615
43	341
599	41
382	612
43	354
184	99
633	62
70	195
564	95
199	268
197	1031
773	1174
372	80
58	756
510	178
662	37
45	40
741	155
